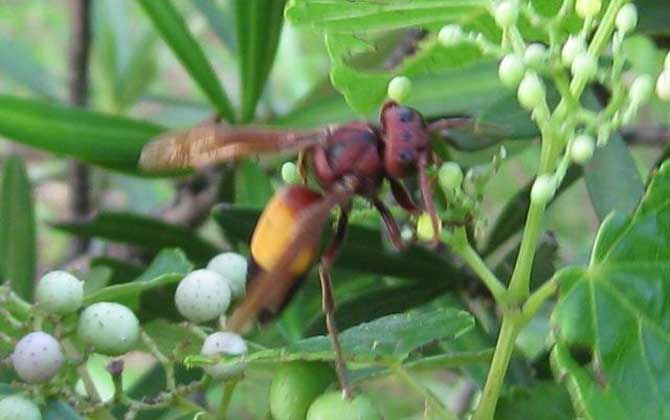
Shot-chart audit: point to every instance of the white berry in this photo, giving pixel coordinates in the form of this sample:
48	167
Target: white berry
585	65
574	46
506	13
450	35
37	357
232	267
543	190
399	88
535	55
511	70
582	149
226	344
663	85
626	18
16	407
59	292
202	295
588	8
641	88
109	327
531	91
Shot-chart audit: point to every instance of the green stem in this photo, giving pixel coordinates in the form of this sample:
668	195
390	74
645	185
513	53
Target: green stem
227	398
538	298
168	365
474	260
428	396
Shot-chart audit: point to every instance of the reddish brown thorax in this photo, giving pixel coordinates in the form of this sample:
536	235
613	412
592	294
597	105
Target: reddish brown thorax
405	139
353	150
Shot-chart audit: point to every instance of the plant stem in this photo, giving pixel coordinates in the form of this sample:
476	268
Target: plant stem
474	260
424	392
168	365
228	390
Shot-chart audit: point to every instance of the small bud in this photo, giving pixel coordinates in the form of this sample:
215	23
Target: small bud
641	89
574	46
424	227
626	19
290	173
450	176
531	91
663	85
588	8
506	13
399	88
511	70
450	35
543	190
582	149
535	55
585	65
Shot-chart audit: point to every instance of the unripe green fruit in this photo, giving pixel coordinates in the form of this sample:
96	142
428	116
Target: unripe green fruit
294	387
15	407
232	267
574	46
506	13
588	8
290	173
531	91
37	357
450	176
584	65
202	295
511	70
450	35
640	89
333	406
535	55
582	149
543	190
399	88
626	18
424	227
663	85
226	344
109	327
59	292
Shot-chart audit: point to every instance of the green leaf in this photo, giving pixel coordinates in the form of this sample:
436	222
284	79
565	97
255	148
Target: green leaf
169	266
259	24
17	63
219	20
543	401
140	72
17	228
653	16
142	231
617	309
104	140
252	185
172	28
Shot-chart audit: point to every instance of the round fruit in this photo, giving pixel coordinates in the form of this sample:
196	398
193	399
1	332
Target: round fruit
535	55
202	295
588	8
641	89
531	91
224	343
294	387
37	357
663	85
450	35
626	19
506	13
424	227
511	70
574	46
543	190
16	407
233	267
582	149
59	292
450	176
399	88
584	65
289	173
333	406
109	327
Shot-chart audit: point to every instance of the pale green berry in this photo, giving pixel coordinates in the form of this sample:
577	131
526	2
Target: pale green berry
511	70
663	85
295	385
506	13
626	18
399	88
59	292
450	176
424	227
535	55
334	406
16	407
109	327
574	46
202	295
588	8
290	173
582	149
37	357
543	190
641	88
585	65
232	267
225	344
531	91
450	35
